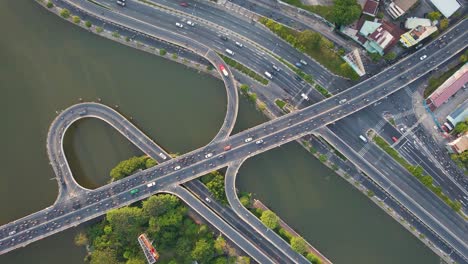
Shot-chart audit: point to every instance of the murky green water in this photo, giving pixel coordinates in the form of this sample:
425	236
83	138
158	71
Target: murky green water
46	64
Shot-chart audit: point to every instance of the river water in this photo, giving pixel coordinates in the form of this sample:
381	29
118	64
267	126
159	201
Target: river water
47	64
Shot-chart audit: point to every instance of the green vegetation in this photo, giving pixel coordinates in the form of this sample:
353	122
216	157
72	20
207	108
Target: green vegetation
244	69
461	159
162	52
418	172
313	259
209	67
164	219
444	23
49	4
391	120
116	34
299	245
342	12
76	19
127	167
127	38
375	57
88	24
280	103
434	15
174	56
370	193
322	90
314	45
65	13
460	128
214	181
464	57
435	82
244	89
390	56
323	157
312	150
269	219
99	29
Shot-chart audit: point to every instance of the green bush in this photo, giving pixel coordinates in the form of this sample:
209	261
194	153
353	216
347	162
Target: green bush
50	4
65	13
99	29
285	234
280	103
323	157
244	89
174	56
76	19
88	24
162	52
116	34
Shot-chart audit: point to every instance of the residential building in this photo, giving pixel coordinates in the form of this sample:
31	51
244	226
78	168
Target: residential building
371	7
460	144
354	60
414	22
459	115
415	35
451	86
446	7
376	36
398	7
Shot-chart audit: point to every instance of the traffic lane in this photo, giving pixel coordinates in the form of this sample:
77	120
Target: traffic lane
259	35
199	189
245	55
396	192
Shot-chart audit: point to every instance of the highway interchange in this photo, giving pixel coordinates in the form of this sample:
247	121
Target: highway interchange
273	133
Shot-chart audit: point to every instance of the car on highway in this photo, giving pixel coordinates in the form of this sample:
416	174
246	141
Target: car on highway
423	57
303	62
228	147
342	101
223	37
363	138
248	139
12	233
230	52
134	191
180	25
177	167
209	155
238	44
190	23
395	139
258	142
207	199
298	64
267	74
223	70
162	156
184	4
121	3
150	184
303	95
276	68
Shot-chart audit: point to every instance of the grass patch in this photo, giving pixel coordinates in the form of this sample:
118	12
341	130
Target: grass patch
322	90
244	69
280	103
417	171
314	45
392	121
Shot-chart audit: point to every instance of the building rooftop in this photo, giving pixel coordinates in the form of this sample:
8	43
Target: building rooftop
405	5
446	7
459	114
449	87
460	144
413	22
370	8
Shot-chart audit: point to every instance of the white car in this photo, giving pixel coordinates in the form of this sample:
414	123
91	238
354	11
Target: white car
248	140
150	184
207	199
179	25
162	156
258	142
303	95
121	3
423	57
190	23
238	44
177	168
303	62
209	155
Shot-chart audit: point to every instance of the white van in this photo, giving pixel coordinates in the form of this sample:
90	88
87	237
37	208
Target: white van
363	138
230	52
267	74
303	95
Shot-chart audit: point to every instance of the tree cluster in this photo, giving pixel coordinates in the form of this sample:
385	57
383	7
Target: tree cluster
127	167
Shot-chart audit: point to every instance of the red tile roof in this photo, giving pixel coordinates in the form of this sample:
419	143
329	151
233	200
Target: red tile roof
370	7
438	97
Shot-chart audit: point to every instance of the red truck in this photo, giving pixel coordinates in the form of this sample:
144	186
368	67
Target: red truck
228	147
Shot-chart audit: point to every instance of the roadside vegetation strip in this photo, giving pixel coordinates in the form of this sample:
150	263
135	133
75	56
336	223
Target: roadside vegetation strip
280	103
98	4
314	45
418	172
244	69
